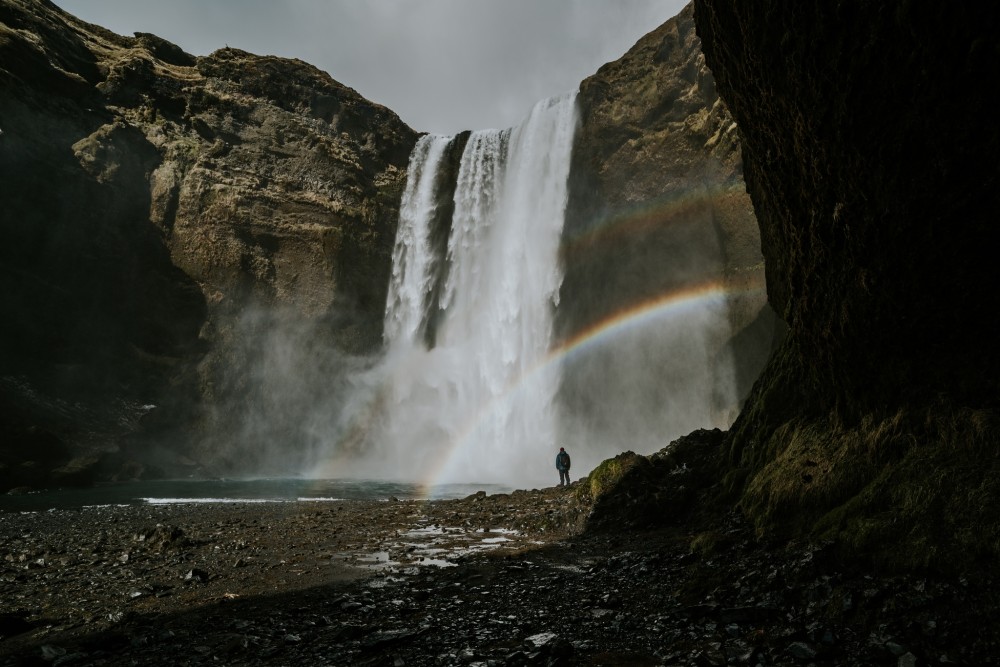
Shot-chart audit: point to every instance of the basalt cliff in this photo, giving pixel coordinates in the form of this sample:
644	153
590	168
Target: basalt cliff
179	231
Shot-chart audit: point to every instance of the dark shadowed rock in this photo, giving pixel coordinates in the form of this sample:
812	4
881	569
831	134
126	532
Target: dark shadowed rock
634	491
869	144
13	624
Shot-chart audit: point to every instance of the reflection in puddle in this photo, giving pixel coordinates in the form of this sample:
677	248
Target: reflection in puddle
434	546
376	557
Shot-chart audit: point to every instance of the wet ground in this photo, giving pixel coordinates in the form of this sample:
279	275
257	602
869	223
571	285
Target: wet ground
487	580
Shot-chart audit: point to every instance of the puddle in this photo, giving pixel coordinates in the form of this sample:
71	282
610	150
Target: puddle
425	532
434	546
382	582
436	562
377	560
502	531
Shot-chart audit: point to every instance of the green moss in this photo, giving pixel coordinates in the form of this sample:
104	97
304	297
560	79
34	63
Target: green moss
606	476
911	489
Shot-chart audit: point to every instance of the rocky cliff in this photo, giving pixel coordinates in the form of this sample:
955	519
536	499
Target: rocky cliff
869	144
658	215
162	216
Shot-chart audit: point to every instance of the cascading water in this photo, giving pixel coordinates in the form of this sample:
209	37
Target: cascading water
478	405
407	306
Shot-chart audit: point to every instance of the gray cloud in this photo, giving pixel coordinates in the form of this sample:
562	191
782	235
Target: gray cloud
442	65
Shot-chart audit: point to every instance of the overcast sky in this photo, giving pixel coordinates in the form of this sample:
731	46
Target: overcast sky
442	65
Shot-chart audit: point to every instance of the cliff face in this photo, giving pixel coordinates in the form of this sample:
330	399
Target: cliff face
154	205
869	148
658	215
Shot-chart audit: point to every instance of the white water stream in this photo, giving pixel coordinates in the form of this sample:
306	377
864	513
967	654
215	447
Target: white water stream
411	281
479	405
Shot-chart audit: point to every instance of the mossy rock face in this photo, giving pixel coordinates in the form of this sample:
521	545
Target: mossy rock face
634	491
911	489
609	474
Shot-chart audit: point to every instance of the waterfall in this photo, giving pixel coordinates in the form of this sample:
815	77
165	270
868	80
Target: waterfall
478	405
471	387
406	308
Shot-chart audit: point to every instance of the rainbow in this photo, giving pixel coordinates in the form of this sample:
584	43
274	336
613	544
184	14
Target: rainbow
645	217
669	305
636	222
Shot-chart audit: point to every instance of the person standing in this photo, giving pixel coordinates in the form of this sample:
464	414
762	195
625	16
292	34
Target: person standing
562	465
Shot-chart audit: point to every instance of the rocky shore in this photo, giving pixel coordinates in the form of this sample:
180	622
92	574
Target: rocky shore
486	580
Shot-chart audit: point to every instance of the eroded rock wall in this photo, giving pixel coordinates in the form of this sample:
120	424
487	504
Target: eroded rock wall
658	217
167	222
869	143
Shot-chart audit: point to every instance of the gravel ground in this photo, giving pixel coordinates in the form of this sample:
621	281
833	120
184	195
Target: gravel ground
486	580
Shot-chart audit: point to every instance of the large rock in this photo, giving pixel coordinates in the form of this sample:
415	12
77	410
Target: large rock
631	491
869	145
154	204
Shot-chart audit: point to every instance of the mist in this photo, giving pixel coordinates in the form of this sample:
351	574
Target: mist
647	380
